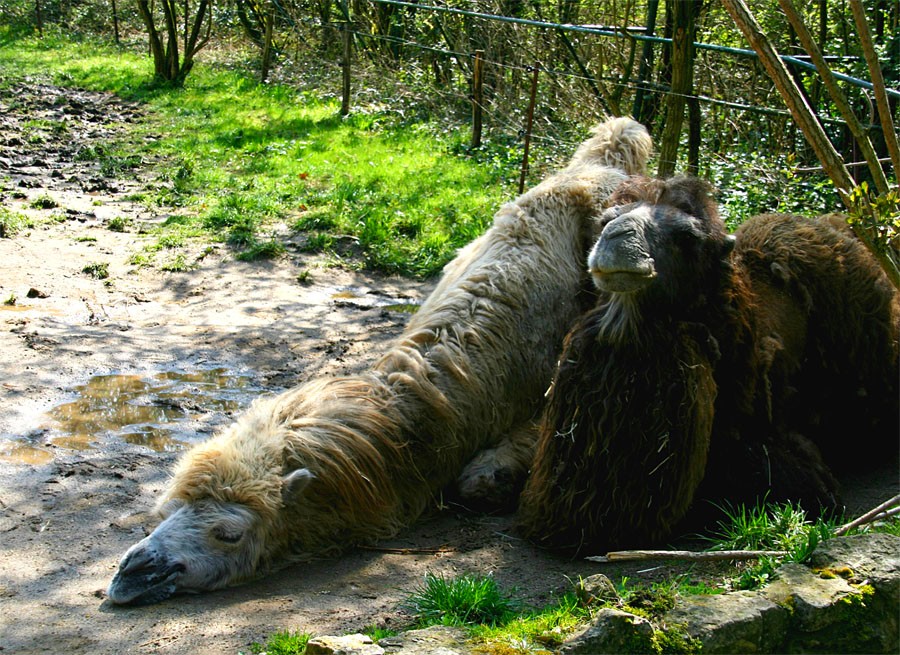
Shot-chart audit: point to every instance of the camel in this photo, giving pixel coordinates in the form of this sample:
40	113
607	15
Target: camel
714	367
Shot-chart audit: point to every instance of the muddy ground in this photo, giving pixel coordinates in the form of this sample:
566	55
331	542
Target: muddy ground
174	356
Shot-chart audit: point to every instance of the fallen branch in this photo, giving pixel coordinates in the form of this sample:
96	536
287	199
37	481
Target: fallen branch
710	555
410	551
870	516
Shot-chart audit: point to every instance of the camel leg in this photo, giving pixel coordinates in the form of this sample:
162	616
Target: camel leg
495	476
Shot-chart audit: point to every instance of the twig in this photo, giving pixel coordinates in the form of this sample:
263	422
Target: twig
411	551
868	517
712	555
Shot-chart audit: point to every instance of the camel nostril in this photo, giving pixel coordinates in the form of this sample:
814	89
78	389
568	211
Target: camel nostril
618	231
136	560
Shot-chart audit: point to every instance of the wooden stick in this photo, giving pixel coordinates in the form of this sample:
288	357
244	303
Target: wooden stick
868	517
440	550
711	555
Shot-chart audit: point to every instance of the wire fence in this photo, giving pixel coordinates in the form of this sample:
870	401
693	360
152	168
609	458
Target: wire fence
508	116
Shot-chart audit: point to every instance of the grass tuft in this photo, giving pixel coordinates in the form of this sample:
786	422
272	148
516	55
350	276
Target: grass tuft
43	201
97	270
262	250
778	526
466	600
547	627
12	222
282	643
117	224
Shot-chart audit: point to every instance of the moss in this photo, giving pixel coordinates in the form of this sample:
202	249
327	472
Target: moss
866	592
829	573
675	639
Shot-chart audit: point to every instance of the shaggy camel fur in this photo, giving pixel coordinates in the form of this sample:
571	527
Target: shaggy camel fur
713	367
350	459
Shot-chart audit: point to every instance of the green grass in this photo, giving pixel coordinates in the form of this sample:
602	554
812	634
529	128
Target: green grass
12	222
545	627
777	526
465	600
239	156
282	643
117	224
43	201
98	270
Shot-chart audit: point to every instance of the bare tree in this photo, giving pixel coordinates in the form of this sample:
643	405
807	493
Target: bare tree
172	61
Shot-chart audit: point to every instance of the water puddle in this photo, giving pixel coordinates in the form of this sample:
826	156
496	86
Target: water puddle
363	298
156	411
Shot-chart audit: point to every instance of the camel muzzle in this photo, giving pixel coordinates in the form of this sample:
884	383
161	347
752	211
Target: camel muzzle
144	578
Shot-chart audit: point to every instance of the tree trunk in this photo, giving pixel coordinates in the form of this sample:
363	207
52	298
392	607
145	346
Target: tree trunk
684	16
115	17
168	63
694	136
645	69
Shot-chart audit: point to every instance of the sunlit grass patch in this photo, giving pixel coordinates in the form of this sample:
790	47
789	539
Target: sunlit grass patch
547	627
12	222
282	643
237	155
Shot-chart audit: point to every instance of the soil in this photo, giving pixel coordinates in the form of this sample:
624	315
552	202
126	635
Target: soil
189	350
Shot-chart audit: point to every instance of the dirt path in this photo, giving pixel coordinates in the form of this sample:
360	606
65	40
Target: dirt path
183	352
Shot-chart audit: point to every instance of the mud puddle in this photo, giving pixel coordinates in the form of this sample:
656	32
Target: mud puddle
159	411
365	298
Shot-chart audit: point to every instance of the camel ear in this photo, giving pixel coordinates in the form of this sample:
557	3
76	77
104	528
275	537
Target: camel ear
293	484
166	509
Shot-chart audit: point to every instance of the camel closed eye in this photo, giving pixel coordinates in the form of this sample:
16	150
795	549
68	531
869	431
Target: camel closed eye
227	536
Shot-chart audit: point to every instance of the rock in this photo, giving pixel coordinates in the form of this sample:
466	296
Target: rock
436	640
611	631
871	562
738	622
815	602
872	557
355	644
596	589
808	608
37	293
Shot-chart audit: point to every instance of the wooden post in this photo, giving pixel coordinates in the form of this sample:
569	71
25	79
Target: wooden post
115	17
477	97
345	67
39	17
808	124
528	124
267	43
